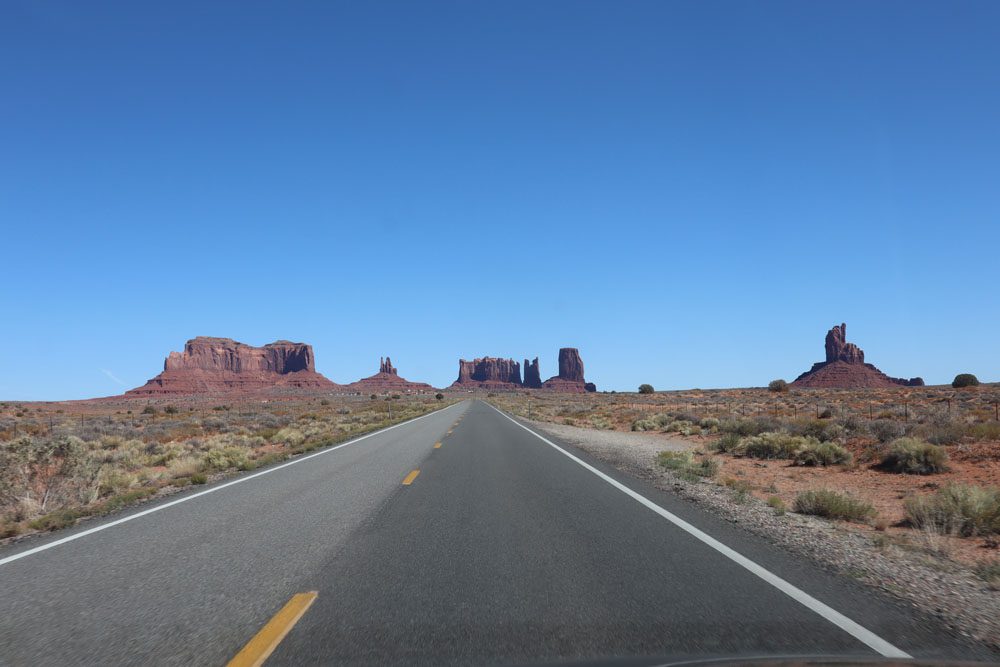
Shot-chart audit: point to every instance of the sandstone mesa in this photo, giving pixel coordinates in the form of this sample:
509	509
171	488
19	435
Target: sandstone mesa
223	365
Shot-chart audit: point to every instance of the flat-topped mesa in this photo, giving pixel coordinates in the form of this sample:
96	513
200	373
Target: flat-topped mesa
226	354
223	365
845	368
488	373
385	366
387	380
532	376
570	378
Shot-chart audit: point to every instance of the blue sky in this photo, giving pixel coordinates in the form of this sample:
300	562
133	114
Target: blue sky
691	193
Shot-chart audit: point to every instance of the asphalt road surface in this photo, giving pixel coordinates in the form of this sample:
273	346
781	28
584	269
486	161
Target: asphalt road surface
505	547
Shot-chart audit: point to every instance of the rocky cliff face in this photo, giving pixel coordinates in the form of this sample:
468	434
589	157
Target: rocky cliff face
385	366
217	365
386	381
532	376
838	349
570	378
505	374
489	373
845	368
227	355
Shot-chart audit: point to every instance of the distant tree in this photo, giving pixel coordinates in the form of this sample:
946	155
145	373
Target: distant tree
373	397
149	410
170	410
439	396
777	385
646	389
395	397
965	380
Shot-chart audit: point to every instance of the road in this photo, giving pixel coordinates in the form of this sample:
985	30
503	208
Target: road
505	547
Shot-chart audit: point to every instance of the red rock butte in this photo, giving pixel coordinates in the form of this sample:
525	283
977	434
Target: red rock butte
223	365
845	368
387	380
494	373
570	378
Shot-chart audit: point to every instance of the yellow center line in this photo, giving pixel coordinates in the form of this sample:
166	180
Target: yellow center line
264	642
409	478
437	445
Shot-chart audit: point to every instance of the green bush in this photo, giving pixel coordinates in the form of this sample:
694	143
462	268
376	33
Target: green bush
966	509
914	457
654	423
685	464
822	454
942	432
709	424
170	410
886	430
646	389
985	431
990	573
439	396
149	410
745	427
199	478
832	505
55	520
965	380
777	504
777	386
741	489
773	445
727	443
821	429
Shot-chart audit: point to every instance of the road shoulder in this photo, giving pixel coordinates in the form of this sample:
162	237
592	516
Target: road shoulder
962	603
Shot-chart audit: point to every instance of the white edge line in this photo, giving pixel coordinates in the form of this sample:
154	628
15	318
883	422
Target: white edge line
859	632
246	478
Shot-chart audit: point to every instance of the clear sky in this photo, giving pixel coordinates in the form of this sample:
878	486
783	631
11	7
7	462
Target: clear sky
691	193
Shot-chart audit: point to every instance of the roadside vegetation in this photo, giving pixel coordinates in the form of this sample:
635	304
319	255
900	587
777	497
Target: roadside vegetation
57	467
833	505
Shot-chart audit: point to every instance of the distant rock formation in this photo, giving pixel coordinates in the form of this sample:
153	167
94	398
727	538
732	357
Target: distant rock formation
488	373
387	380
845	368
223	365
532	376
570	378
838	349
505	374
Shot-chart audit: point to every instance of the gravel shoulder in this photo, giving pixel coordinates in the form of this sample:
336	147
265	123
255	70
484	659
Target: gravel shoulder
935	585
